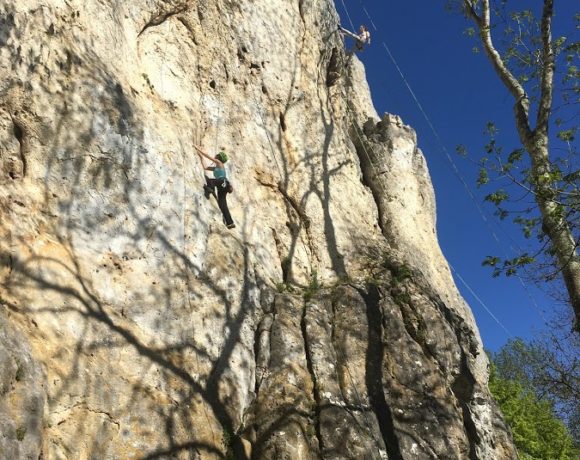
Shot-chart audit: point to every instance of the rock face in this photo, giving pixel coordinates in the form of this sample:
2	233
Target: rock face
23	393
135	325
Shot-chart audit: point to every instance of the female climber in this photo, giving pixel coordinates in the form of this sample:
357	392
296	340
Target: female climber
218	181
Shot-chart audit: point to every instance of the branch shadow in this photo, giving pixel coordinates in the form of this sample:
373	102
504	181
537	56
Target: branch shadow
69	283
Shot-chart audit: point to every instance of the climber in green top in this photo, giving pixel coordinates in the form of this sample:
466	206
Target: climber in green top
219	181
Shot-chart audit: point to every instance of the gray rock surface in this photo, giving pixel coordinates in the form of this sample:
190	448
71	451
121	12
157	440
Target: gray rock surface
22	397
326	324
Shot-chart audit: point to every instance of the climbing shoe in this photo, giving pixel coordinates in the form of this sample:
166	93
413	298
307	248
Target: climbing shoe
231	226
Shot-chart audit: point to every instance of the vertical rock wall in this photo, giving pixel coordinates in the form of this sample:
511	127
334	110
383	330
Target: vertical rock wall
325	325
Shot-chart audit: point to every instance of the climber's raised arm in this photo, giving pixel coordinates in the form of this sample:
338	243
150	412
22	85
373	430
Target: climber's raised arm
201	152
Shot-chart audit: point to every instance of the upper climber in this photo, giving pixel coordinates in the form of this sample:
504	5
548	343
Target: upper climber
363	38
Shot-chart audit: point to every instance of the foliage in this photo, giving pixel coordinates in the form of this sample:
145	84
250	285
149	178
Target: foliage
513	197
228	439
549	367
538	433
535	184
20	433
399	271
19	372
313	286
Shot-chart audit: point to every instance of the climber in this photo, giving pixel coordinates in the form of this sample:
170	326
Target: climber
362	39
219	181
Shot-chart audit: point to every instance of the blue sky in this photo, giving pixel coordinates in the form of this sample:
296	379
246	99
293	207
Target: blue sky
459	93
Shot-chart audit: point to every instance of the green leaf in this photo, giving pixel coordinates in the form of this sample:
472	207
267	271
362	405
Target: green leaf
510	272
573	177
497	197
461	150
483	177
490	261
528	225
470	31
490	146
490	129
537	432
559	42
515	155
501	213
566	135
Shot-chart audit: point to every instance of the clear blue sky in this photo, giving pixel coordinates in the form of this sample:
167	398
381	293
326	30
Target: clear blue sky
460	94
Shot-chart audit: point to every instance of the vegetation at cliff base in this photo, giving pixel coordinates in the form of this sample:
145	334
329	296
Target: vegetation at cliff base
536	389
538	433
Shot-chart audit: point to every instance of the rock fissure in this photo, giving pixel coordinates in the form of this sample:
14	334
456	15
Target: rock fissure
463	386
289	199
262	350
301	213
337	349
86	407
463	389
415	326
368	171
305	221
333	68
190	29
160	18
374	373
316	388
22	138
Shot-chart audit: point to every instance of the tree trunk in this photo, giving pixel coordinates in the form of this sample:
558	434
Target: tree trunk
554	223
536	142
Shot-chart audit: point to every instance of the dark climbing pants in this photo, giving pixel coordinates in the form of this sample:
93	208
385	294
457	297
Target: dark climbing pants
222	193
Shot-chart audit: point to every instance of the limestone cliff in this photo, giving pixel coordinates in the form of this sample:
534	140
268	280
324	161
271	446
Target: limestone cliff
133	324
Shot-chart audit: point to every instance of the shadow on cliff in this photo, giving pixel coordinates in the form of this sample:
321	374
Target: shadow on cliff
105	183
296	196
99	317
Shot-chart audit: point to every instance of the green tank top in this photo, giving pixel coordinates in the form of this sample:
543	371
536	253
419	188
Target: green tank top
219	173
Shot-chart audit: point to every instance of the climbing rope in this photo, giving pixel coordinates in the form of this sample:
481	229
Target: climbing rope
217	129
453	269
273	154
186	268
348	16
482	303
451	162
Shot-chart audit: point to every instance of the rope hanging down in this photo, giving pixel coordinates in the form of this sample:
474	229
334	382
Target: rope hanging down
367	422
348	16
455	169
453	166
480	301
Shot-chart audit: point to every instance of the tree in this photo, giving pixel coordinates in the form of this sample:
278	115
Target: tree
538	433
526	60
549	367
